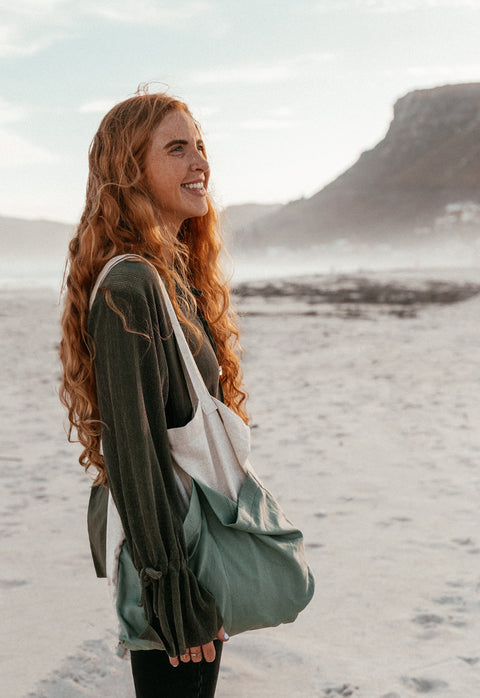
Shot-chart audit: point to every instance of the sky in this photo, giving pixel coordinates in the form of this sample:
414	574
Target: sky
288	92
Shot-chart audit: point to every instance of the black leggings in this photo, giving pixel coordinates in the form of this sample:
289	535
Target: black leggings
155	677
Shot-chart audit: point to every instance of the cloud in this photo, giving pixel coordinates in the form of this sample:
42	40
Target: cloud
145	11
97	106
205	111
32	9
281	112
30	26
17	152
262	73
248	75
11	113
15	41
390	6
267	124
455	72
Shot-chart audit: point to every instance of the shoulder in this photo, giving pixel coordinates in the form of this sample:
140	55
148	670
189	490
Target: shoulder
131	278
130	292
130	284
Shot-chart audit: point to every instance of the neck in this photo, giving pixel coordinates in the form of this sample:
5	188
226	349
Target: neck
168	237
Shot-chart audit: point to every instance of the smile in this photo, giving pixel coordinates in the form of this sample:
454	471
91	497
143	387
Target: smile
194	185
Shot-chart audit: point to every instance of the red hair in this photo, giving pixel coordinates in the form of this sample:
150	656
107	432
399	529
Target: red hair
119	217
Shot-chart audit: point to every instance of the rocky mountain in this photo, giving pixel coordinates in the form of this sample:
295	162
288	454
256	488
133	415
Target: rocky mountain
239	217
421	182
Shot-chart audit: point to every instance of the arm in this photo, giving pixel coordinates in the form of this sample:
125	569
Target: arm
132	387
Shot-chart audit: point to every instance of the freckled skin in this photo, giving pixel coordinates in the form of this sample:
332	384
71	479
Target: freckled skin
167	168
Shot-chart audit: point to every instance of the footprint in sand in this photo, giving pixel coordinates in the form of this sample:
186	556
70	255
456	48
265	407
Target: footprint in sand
447	600
421	685
87	674
470	660
345	689
462	541
456	583
428	620
393	520
12	583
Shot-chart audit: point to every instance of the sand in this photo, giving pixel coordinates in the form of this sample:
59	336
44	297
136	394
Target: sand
364	426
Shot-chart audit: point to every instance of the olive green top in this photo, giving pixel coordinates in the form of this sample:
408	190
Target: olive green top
141	393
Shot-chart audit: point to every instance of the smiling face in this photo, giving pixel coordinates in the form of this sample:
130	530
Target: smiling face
177	170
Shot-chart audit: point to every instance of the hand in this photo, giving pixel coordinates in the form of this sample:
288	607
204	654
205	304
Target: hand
206	652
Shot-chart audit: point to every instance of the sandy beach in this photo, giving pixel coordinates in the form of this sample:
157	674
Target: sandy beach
365	425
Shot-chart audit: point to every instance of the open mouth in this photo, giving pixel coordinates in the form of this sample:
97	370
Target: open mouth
195	187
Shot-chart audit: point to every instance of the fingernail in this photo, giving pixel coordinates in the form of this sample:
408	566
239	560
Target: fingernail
226	636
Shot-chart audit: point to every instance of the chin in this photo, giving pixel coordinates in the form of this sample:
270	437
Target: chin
199	213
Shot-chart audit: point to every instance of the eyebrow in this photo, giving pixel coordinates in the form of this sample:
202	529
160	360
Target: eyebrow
180	142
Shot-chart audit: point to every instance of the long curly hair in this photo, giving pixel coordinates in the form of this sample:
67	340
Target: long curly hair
119	217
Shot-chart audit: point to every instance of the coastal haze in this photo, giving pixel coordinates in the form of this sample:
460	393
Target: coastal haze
411	201
359	309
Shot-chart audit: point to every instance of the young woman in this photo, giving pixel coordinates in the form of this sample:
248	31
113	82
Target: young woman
123	382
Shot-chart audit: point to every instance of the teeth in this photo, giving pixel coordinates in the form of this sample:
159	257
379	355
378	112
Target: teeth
196	185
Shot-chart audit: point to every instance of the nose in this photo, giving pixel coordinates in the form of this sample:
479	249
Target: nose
200	162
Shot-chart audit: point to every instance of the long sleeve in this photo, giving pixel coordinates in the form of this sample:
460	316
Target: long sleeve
134	355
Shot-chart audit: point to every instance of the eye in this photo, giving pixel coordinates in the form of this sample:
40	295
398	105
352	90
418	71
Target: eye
201	148
177	148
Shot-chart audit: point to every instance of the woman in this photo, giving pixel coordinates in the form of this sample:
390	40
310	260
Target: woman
123	383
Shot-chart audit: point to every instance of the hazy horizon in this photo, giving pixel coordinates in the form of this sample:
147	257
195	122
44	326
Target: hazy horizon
37	271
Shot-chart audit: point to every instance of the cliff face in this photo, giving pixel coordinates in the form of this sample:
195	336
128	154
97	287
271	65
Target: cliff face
243	216
428	160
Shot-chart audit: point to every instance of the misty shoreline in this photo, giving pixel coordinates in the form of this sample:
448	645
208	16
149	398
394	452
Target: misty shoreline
402	285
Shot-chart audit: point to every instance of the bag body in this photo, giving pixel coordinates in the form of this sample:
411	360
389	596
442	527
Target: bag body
240	545
248	556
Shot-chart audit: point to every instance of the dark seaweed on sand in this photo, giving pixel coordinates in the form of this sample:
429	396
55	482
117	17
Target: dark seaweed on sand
359	290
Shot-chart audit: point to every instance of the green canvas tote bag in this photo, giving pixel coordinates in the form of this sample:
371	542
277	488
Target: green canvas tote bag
248	556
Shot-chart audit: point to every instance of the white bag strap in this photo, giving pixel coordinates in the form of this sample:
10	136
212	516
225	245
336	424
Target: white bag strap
104	273
196	385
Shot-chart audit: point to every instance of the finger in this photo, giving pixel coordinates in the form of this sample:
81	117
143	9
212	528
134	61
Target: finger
185	657
222	635
196	654
209	652
173	661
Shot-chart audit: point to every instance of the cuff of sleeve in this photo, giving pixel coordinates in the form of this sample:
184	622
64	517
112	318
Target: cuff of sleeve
186	612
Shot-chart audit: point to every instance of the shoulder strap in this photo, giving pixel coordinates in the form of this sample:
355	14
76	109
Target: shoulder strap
195	382
107	268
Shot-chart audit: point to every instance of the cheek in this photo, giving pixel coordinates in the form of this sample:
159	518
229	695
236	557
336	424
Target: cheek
159	183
